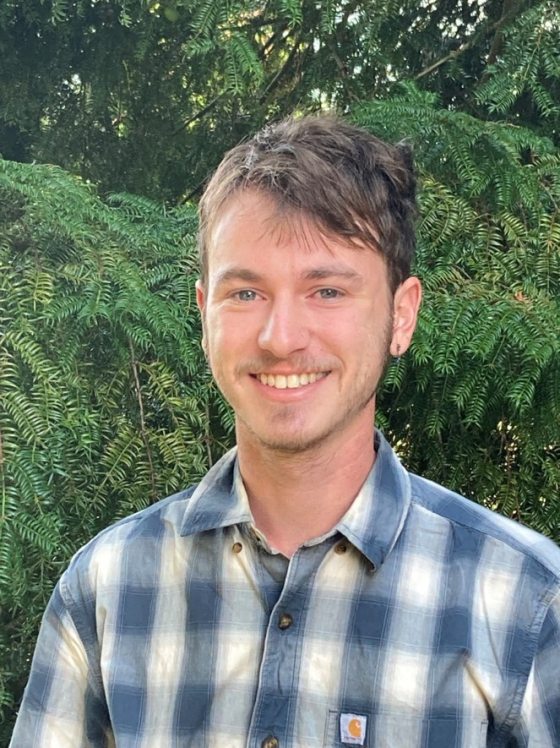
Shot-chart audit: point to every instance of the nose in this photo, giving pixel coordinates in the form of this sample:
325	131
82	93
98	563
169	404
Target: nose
284	330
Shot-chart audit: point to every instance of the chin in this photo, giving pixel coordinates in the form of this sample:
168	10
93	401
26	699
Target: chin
290	444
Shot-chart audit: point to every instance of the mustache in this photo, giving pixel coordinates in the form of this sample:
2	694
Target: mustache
268	362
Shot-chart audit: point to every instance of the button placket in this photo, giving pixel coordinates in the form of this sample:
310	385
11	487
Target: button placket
280	660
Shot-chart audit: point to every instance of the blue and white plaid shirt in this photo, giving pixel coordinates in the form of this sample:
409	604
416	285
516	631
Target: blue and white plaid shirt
421	621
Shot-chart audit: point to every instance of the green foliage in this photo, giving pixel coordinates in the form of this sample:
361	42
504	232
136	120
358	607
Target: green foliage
475	404
105	401
146	96
130	94
525	76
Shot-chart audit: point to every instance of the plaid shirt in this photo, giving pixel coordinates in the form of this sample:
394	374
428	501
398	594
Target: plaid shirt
422	620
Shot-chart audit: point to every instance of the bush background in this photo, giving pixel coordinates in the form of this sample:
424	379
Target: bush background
113	113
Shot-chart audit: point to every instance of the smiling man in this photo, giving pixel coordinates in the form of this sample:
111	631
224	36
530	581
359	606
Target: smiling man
309	591
298	324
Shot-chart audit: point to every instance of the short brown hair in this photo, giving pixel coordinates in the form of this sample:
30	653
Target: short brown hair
351	183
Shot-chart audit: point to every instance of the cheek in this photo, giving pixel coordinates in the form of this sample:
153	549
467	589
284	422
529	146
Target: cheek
350	328
214	325
226	333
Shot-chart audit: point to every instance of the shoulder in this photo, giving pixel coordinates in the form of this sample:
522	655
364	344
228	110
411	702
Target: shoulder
165	515
142	550
136	541
510	539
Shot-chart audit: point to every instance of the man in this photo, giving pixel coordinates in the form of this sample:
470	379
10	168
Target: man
309	591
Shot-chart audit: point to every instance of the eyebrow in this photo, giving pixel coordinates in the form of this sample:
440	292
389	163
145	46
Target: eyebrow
237	274
331	271
314	274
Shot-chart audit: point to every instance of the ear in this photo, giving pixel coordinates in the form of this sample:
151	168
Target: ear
201	303
200	295
406	303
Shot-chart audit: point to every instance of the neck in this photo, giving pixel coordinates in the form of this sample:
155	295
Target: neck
297	497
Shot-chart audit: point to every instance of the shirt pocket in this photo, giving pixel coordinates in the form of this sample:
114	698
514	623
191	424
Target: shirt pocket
405	731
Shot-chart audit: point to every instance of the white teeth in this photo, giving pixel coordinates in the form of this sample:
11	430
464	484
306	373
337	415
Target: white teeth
290	381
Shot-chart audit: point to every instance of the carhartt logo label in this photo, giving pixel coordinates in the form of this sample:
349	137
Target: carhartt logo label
353	729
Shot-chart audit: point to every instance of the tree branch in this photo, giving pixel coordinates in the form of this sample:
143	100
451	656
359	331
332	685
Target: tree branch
451	56
207	435
272	83
198	115
142	420
343	69
3	506
510	10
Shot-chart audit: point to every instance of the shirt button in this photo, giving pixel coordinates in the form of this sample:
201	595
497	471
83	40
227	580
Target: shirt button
270	742
284	622
237	547
340	548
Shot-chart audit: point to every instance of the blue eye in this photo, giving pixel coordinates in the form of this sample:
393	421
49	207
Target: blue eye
246	295
329	293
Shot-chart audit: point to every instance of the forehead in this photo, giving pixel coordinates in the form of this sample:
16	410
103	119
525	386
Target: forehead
256	233
256	216
266	217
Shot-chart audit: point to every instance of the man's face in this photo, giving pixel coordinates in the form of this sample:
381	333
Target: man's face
297	326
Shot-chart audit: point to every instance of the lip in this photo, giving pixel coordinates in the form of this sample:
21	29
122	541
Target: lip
287	372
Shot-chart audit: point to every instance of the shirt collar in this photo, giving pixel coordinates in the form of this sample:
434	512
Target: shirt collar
215	503
372	524
377	515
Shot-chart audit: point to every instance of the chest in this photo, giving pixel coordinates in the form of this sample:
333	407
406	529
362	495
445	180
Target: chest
325	652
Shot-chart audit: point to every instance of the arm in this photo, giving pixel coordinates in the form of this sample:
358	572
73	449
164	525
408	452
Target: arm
540	710
63	705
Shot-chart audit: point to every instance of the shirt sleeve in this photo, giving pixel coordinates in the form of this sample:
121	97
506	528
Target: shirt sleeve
540	710
62	705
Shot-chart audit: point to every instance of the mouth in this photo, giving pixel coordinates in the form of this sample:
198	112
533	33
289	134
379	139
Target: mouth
290	381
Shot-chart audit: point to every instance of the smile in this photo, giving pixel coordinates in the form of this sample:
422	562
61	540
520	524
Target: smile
290	381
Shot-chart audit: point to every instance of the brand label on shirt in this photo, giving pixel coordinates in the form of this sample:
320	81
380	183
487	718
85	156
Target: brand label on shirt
353	729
